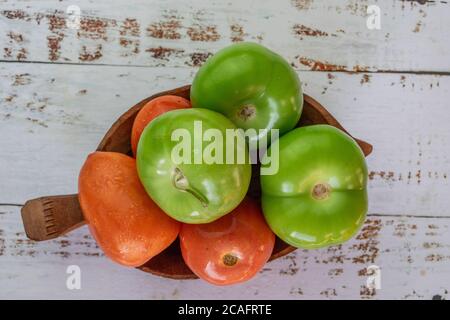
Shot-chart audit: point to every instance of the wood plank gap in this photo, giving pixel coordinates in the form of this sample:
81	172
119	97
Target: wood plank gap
419	72
11	205
368	215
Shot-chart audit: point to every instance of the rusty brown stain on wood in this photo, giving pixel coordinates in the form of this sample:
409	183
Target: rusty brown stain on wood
388	176
56	26
24	242
124	42
417	27
94	28
56	21
86	55
15	42
38	104
90	28
329	292
237	32
335	272
414	3
368	245
54	46
129	31
431	245
436	175
409	176
359	68
15	14
401	229
296	291
364	272
163	53
302	4
366	292
365	79
168	29
301	30
419	23
292	267
203	33
62	254
336	255
7	52
417	176
19	245
15	36
2	243
132	45
22	54
2	246
64	243
316	65
37	121
10	98
21	79
130	27
434	257
198	58
355	7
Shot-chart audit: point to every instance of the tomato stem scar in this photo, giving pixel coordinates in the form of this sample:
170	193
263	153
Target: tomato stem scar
246	112
321	191
180	182
229	259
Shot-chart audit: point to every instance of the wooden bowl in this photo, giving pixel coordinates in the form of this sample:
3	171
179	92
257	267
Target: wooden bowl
52	216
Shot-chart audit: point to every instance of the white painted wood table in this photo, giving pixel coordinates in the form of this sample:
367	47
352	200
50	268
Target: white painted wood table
61	88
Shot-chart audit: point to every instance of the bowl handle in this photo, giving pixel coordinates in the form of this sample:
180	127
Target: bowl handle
50	217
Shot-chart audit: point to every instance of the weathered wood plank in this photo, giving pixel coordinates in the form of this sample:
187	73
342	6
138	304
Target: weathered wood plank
52	116
413	254
312	35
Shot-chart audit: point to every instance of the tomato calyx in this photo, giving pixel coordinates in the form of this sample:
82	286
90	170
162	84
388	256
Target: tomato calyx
246	112
180	182
229	259
321	191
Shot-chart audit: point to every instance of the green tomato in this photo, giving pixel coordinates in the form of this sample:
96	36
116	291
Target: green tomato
182	181
318	197
251	85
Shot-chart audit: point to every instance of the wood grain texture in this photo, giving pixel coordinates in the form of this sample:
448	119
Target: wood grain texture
61	89
316	35
51	217
413	254
53	116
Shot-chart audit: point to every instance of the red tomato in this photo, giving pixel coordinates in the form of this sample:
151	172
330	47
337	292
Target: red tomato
128	226
231	249
150	111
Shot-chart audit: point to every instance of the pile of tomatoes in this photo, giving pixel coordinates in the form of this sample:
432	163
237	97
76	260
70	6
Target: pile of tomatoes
316	196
